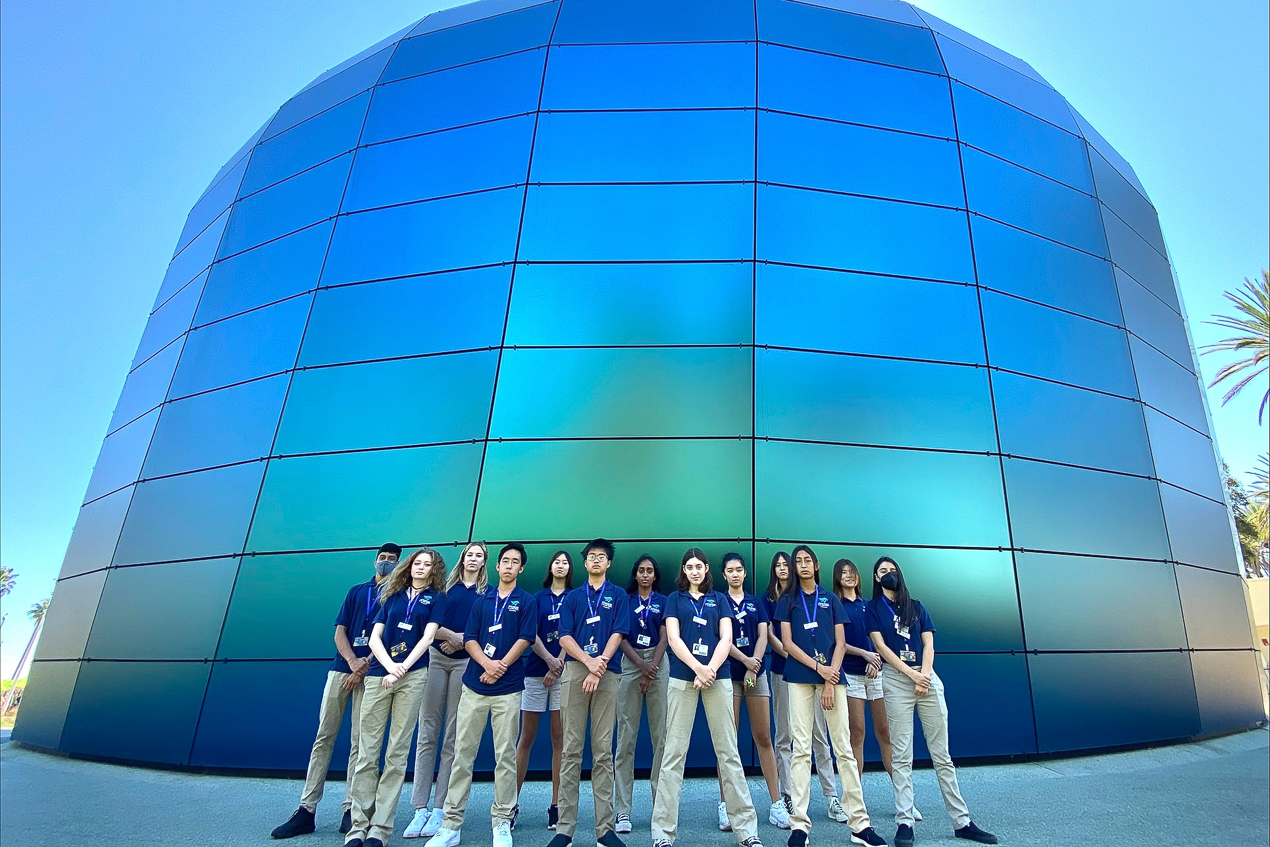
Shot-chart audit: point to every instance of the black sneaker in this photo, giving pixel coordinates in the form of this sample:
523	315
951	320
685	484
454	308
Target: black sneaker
560	840
515	814
789	804
797	838
354	842
346	822
553	816
869	837
903	835
974	833
609	839
301	823
371	842
752	841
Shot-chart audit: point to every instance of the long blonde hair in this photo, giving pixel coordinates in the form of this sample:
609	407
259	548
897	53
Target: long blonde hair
456	575
400	578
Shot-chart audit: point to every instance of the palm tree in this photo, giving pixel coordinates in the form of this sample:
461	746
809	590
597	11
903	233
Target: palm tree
1258	499
35	613
1251	323
7	580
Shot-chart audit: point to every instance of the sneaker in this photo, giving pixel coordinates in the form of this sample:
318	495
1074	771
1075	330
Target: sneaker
777	816
789	804
515	814
724	825
661	842
553	816
433	826
797	838
622	824
752	841
300	823
354	842
608	839
346	822
371	842
502	835
974	833
903	835
417	823
869	837
836	812
449	838
560	840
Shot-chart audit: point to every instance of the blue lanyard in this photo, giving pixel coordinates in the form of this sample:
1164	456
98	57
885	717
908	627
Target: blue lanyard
645	610
594	609
815	604
410	604
372	594
498	612
557	603
736	607
698	611
896	615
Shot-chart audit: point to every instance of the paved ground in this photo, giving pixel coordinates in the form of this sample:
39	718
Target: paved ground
1210	793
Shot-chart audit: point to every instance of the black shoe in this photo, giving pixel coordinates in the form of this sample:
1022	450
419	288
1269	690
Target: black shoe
609	839
371	842
797	838
515	814
301	823
346	822
869	837
903	835
974	833
356	842
560	840
553	816
789	804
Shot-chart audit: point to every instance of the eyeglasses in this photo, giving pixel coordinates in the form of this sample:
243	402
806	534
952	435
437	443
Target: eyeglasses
597	557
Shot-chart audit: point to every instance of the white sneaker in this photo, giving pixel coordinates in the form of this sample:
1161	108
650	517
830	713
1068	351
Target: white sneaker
502	836
622	825
417	823
450	838
433	826
724	826
778	816
836	812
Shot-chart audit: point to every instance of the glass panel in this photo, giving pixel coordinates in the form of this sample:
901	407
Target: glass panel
858	160
251	345
1199	530
347	323
92	543
1070	510
459	45
990	704
974	69
376	48
318	139
1147	317
1101	619
1140	261
217	199
857	400
655	20
119	462
457	232
45	700
206	430
146	386
977	44
1168	386
1228	687
850	494
1123	199
272	272
632	304
804	308
1021	198
857	233
468	12
1121	698
352	499
1045	420
650	76
1215	608
347	408
860	92
325	94
490	155
497	88
1183	456
190	516
191	261
633	489
170	320
680	146
302	200
1015	262
638	222
624	393
1043	342
891	10
826	31
1108	152
70	617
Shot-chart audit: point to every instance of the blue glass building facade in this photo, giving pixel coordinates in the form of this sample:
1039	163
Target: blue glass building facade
729	274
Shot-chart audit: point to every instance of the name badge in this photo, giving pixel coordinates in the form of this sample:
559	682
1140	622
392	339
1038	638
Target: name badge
821	659
742	641
740	616
489	650
700	620
552	636
639	608
397	649
643	641
591	649
902	631
495	627
361	641
554	617
593	619
405	626
811	624
700	649
908	656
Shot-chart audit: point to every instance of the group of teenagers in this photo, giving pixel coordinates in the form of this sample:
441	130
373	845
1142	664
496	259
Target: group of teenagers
450	653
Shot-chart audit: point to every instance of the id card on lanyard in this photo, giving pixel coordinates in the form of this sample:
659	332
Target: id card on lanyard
738	611
698	618
811	623
593	616
644	638
907	655
490	647
371	596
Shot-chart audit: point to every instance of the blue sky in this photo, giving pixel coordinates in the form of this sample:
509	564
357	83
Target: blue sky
113	118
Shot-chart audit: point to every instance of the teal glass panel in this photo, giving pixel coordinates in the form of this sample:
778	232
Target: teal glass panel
814	84
646	146
1140	260
1167	386
251	345
271	272
987	720
862	234
96	532
415	496
647	303
888	316
45	701
1216	611
349	324
423	237
976	70
1228	686
816	153
625	489
66	625
1129	205
1147	317
650	76
191	261
162	611
190	516
642	392
1071	510
328	92
1199	530
215	200
489	155
459	45
815	491
146	386
826	31
638	223
170	321
290	205
655	20
1110	604
355	406
1018	263
858	400
217	428
1183	456
317	140
119	462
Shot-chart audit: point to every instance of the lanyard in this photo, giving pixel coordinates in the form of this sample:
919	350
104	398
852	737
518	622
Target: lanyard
736	607
594	609
371	596
815	604
556	603
644	609
498	612
896	615
411	603
698	611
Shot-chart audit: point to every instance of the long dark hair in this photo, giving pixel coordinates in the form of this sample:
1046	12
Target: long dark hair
903	602
568	577
840	566
634	584
793	575
681	581
773	581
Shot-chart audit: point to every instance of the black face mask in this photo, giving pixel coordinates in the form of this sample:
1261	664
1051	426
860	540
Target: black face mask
890	581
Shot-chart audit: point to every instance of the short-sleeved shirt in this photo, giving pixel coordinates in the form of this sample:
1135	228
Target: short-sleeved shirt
496	624
404	621
646	620
357	616
700	637
857	635
548	604
746	616
459	600
907	644
769	607
591	617
800	609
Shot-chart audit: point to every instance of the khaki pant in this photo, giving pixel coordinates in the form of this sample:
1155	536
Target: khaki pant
374	794
503	714
900	696
631	704
802	714
784	741
575	706
440	703
335	701
681	711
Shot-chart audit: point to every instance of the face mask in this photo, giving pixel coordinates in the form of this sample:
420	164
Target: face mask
385	567
890	581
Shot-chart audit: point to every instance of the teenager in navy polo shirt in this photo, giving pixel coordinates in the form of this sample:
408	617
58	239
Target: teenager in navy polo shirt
812	622
699	629
904	636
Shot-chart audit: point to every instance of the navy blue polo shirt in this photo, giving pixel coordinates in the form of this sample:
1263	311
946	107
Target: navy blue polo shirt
769	608
646	620
746	616
548	605
404	621
357	616
495	624
592	617
857	635
459	600
798	609
711	608
883	618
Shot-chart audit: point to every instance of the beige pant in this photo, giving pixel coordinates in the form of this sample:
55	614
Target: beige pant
785	741
503	714
802	715
631	704
900	696
374	794
681	711
575	706
440	703
330	715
